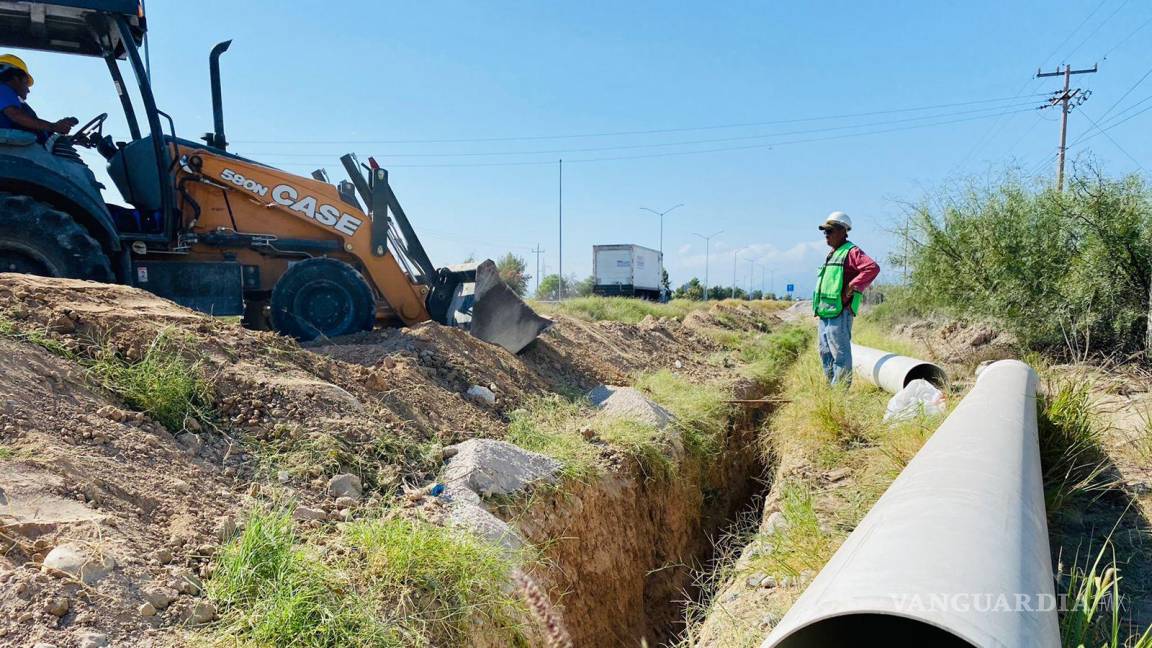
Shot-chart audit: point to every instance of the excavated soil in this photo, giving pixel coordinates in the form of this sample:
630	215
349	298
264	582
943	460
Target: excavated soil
80	467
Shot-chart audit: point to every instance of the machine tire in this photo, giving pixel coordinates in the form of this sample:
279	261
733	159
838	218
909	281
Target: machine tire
322	297
38	239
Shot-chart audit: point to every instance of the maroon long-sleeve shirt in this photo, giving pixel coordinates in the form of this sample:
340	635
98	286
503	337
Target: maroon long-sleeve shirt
859	270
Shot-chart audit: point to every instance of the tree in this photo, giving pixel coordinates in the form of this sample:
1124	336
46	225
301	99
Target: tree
664	281
582	287
757	295
549	287
693	290
512	271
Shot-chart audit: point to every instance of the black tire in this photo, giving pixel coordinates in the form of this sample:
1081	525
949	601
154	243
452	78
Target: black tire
322	296
36	238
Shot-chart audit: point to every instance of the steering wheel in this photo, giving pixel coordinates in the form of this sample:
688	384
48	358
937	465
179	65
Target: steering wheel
91	133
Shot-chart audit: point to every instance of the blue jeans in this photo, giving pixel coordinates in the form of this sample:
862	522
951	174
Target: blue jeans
834	338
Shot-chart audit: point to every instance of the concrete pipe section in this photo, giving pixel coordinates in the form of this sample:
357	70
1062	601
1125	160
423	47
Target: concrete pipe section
955	553
892	372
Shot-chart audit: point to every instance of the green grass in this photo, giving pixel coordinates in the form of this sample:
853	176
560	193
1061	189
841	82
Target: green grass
164	383
802	544
6	452
621	309
870	332
434	584
701	412
1073	461
378	456
382	583
273	590
768	356
564	430
552	426
1095	602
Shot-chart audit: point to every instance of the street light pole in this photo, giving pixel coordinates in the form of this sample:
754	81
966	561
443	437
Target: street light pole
661	215
707	255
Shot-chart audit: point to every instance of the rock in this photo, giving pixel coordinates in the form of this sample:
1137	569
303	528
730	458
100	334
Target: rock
75	561
283	476
482	395
755	579
473	518
678	364
93	640
346	485
162	556
488	467
768	582
225	528
630	403
160	597
42	644
199	612
304	513
774	524
345	502
192	425
448	453
57	606
191	442
147	610
838	474
187	583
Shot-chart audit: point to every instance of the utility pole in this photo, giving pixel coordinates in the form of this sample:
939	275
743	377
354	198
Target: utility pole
707	255
538	251
734	254
1065	99
751	273
661	215
560	253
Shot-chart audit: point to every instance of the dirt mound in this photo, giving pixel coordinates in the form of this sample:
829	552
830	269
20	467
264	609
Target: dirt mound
736	316
81	466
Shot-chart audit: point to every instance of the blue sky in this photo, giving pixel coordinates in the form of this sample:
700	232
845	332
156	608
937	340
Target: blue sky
305	82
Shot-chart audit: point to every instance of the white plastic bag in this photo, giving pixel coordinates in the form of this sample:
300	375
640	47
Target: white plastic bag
918	397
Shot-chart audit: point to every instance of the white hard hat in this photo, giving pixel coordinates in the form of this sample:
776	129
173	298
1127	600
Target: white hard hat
837	218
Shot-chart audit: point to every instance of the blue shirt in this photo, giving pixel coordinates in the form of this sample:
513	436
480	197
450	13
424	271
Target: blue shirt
8	98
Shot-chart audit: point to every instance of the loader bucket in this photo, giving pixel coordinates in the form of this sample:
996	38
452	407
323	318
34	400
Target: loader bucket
499	316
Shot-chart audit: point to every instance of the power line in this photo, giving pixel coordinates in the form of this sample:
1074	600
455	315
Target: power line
1093	33
1127	38
1126	93
627	147
635	132
680	153
1111	139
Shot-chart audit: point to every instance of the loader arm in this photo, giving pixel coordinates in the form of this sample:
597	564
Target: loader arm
285	216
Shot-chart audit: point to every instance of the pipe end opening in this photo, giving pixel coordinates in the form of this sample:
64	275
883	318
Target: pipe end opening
851	630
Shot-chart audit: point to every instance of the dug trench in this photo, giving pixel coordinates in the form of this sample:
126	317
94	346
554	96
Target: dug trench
139	441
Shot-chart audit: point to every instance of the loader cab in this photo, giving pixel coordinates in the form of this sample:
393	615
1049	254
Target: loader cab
113	30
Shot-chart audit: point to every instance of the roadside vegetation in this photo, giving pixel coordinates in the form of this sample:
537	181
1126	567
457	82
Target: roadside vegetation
388	581
1067	273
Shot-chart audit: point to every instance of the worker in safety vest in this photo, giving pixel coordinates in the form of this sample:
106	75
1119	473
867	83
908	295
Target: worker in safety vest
846	272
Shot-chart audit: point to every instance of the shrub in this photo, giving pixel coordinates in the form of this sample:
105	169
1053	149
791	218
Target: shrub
1060	270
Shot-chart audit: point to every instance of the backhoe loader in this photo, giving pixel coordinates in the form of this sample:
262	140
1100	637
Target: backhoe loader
215	231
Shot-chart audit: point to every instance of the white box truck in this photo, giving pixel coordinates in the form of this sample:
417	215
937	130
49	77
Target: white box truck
626	271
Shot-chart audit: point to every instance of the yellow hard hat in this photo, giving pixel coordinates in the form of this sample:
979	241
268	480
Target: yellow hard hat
11	60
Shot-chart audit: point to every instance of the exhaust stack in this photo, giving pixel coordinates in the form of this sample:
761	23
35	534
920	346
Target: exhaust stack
216	138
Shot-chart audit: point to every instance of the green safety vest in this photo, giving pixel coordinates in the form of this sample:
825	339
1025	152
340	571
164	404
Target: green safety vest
827	300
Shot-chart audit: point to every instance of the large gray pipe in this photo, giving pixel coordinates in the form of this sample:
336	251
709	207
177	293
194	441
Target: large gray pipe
955	553
892	372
